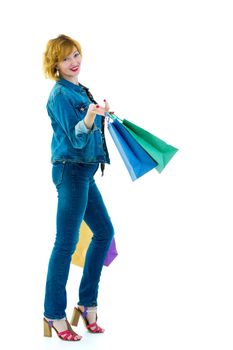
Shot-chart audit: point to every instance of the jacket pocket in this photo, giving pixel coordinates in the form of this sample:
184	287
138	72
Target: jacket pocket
82	108
57	173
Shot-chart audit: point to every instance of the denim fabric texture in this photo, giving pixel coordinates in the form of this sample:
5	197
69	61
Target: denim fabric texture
78	199
67	106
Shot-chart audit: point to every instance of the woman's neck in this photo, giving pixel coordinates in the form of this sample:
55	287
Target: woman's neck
72	80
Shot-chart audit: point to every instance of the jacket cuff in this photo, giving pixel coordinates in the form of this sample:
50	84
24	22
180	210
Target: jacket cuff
80	128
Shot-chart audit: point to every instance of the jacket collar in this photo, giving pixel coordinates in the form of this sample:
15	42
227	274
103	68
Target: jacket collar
70	85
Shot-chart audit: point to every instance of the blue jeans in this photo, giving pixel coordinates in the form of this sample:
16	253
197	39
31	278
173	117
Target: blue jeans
78	199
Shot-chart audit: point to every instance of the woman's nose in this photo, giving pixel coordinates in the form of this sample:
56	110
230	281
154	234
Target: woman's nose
73	61
77	59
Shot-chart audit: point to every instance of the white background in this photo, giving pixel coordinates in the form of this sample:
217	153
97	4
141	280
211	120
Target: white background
166	66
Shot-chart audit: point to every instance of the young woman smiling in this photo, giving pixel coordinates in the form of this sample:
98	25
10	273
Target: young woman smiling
78	147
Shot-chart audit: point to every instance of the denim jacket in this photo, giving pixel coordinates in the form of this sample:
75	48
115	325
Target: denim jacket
72	141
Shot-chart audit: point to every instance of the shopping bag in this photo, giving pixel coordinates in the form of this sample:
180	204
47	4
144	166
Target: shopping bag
159	150
136	160
112	253
78	258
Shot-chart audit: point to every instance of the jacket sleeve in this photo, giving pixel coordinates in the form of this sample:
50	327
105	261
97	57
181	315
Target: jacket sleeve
70	118
80	127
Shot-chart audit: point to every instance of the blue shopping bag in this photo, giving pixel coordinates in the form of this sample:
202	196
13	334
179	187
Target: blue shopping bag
136	160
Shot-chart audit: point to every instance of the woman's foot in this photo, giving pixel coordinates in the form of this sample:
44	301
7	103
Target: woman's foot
89	315
62	328
60	325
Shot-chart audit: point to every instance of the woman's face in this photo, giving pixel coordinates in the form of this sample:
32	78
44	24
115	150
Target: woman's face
69	68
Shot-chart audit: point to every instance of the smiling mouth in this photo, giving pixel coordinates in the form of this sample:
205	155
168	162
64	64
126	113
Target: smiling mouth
74	69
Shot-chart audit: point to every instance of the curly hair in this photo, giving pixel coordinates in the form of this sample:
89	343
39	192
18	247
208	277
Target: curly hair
56	50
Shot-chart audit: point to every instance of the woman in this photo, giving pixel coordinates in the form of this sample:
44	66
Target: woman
78	147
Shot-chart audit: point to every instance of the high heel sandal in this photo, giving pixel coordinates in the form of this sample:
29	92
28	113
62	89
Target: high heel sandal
68	334
91	327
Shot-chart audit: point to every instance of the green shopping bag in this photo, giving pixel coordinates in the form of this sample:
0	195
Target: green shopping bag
158	149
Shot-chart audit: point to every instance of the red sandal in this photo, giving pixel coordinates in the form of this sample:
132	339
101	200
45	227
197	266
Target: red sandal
68	334
91	327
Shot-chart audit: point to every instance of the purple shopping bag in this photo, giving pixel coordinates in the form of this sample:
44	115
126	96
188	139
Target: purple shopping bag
112	253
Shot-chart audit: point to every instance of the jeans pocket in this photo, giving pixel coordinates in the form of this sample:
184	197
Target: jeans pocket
57	173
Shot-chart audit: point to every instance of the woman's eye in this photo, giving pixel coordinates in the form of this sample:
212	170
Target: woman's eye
76	54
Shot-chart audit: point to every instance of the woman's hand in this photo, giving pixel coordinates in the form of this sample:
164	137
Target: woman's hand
97	109
94	109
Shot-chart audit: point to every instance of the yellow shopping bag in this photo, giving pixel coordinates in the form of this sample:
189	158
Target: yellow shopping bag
78	258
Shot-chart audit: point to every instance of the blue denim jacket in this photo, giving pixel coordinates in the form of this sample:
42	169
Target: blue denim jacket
72	141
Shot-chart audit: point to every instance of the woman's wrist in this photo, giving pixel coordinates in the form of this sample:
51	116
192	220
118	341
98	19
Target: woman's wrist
89	119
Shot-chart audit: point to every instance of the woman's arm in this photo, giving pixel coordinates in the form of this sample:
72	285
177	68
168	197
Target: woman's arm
69	119
92	111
